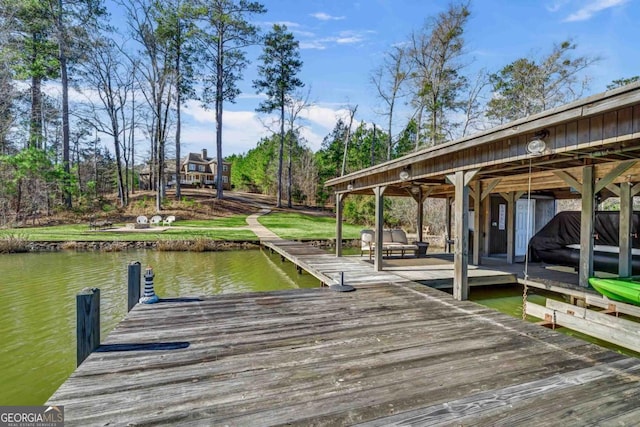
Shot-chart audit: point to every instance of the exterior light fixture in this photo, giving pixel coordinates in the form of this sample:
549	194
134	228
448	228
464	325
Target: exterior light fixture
404	174
350	186
537	145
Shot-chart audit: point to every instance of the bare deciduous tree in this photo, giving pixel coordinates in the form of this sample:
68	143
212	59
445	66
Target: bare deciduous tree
112	78
388	80
436	53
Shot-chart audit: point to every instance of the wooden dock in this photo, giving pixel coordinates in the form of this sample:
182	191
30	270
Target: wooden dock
393	352
436	271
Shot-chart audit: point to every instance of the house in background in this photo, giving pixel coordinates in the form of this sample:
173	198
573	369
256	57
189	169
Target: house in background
196	170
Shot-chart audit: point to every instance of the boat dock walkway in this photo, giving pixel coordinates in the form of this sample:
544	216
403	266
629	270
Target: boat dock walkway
394	352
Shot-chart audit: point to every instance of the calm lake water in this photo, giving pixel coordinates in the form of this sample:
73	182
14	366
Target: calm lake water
38	313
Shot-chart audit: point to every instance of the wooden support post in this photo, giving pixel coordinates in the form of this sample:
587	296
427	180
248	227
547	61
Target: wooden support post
133	284
477	223
378	194
486	221
339	200
586	227
626	218
511	227
447	224
87	323
461	245
420	213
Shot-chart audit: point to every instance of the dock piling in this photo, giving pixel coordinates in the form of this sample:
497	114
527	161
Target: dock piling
133	282
87	322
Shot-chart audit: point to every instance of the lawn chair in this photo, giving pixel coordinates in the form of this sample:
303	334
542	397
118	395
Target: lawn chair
155	220
367	238
168	220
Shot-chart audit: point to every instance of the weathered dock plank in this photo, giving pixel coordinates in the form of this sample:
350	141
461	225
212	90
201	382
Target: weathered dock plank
385	354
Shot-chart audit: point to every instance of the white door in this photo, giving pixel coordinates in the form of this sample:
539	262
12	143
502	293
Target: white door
522	236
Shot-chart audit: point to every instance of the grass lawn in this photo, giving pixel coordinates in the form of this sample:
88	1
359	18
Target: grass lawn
231	221
285	225
81	232
298	226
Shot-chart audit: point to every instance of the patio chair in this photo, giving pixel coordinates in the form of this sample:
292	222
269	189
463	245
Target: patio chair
142	220
155	220
366	242
168	220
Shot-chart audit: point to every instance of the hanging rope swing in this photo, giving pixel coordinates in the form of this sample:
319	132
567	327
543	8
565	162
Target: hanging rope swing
535	147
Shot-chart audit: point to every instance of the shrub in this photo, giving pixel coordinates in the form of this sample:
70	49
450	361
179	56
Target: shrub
199	244
13	243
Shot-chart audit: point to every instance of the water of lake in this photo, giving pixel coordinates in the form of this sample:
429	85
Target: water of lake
38	313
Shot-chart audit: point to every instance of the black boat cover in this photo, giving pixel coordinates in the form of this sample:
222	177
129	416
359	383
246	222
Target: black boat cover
549	245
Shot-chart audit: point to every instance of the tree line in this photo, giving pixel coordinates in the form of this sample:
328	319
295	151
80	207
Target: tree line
132	82
129	84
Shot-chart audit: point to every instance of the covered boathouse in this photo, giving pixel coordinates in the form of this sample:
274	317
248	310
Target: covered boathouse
587	149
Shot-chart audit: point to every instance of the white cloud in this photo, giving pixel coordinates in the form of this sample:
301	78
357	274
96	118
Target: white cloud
344	37
243	129
244	95
289	24
326	17
323	116
314	44
556	5
592	8
348	40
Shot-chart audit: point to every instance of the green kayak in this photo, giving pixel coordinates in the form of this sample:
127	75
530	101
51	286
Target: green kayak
619	289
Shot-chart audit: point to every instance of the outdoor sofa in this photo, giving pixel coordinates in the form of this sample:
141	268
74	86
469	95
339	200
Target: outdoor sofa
393	241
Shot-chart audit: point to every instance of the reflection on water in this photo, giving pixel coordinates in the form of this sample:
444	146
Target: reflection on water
37	302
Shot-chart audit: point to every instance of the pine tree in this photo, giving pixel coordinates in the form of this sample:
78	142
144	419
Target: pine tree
280	65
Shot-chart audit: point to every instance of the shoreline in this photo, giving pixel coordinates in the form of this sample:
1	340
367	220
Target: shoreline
165	245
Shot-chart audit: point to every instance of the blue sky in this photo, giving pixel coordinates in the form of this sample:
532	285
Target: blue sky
342	42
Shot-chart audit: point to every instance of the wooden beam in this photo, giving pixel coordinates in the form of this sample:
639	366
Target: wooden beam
339	205
586	227
469	175
613	174
427	192
461	246
624	240
447	223
511	227
616	306
490	186
451	178
635	190
571	181
420	214
512	195
379	191
612	329
614	189
486	215
477	224
472	193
